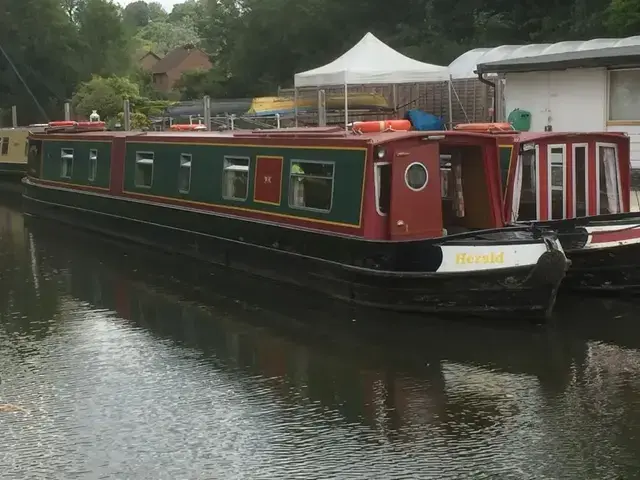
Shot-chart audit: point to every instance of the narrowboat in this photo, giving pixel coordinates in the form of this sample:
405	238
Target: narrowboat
371	219
13	152
579	185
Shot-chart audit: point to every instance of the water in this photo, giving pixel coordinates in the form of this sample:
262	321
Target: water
134	365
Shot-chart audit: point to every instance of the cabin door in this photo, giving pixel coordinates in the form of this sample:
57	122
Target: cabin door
416	203
34	158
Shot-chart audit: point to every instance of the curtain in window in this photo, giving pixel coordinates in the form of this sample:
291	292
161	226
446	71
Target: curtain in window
611	178
458	204
517	190
298	192
230	187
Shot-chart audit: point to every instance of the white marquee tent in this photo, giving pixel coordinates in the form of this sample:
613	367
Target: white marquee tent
369	62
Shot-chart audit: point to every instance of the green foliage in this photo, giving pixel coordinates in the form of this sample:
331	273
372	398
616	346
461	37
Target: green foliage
198	83
104	94
162	37
139	121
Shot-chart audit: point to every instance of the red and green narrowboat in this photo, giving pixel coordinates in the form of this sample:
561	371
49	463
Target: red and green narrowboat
577	184
371	219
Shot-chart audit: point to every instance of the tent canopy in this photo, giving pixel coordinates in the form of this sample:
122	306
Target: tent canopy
371	61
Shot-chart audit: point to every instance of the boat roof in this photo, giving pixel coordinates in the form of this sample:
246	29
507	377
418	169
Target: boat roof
324	134
533	136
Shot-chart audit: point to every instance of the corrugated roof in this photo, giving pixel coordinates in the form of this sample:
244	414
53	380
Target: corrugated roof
605	57
465	65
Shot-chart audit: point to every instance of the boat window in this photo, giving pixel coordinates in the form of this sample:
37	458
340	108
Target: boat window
93	165
609	197
580	180
416	176
525	190
311	185
4	145
557	204
505	160
66	162
383	187
235	181
144	169
184	175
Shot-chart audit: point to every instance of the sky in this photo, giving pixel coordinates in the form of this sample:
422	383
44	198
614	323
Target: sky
167	4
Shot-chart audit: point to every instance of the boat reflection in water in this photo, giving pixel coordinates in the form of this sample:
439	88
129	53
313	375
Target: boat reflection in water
385	398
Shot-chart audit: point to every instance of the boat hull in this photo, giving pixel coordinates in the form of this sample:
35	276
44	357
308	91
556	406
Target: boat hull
519	291
604	252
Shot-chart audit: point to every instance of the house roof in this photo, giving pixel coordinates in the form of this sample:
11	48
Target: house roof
149	52
173	59
621	56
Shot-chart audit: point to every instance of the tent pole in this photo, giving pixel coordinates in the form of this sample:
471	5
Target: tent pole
346	108
295	105
450	103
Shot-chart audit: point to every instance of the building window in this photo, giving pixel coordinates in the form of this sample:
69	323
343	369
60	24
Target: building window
66	162
383	187
4	146
624	95
557	203
235	178
311	185
93	165
144	169
608	180
184	175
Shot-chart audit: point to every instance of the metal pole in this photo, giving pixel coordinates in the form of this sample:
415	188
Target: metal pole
295	105
346	108
127	116
67	111
450	103
14	116
322	109
277	120
207	111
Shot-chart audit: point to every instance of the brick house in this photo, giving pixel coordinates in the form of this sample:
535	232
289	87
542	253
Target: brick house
148	61
170	68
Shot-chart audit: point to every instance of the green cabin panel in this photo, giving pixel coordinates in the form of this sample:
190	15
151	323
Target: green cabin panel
52	162
207	162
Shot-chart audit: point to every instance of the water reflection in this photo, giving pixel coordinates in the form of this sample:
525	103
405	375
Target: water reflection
132	373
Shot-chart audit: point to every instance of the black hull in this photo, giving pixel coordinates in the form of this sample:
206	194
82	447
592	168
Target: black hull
518	292
613	269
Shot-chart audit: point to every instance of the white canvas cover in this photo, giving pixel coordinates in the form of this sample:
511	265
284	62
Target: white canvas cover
371	61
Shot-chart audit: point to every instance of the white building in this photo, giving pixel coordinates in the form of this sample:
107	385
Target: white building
567	86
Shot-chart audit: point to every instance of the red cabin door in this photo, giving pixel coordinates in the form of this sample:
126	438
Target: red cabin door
416	201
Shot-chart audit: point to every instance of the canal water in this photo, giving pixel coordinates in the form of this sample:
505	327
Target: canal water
128	364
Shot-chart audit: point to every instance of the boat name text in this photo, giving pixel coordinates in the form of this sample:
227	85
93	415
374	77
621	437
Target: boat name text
464	258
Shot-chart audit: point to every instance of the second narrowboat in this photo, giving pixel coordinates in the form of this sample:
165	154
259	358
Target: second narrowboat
577	184
371	218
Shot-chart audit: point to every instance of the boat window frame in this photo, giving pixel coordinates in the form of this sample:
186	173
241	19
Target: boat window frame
550	147
376	186
4	151
65	153
535	166
332	178
184	156
144	161
574	146
618	176
226	168
93	160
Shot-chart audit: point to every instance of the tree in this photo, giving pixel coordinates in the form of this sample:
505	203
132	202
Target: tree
162	37
104	94
136	14
623	16
105	42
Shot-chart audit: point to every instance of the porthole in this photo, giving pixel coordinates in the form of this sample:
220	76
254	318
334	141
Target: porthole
416	176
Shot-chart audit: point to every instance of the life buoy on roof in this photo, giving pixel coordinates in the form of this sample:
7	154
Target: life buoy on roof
187	126
381	126
484	127
63	123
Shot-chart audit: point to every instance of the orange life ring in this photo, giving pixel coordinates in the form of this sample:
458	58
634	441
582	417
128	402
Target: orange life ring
63	123
381	126
484	127
188	126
